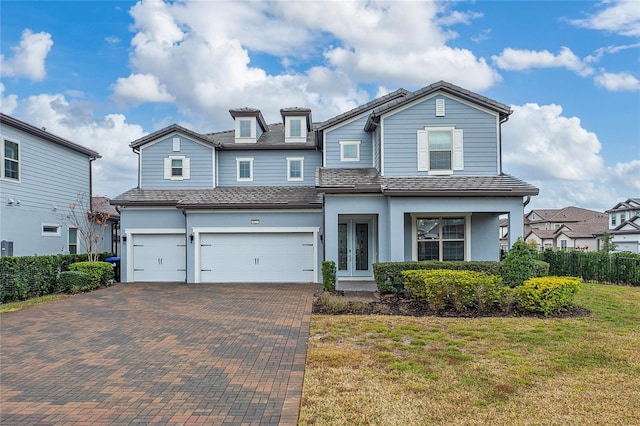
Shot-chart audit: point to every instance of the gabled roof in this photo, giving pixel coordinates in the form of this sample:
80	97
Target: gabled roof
174	128
398	94
297	112
232	197
631	226
566	214
249	112
543	234
630	204
368	180
272	139
441	86
586	229
43	134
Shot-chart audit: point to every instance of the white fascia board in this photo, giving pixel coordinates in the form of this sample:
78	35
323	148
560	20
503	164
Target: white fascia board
172	135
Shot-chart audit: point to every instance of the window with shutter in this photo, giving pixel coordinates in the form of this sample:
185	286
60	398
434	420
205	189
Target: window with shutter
440	150
177	167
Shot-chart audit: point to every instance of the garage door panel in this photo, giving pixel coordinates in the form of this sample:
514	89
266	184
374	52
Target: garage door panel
260	257
159	257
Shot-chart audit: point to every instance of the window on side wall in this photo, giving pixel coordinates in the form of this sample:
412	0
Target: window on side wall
349	150
50	230
440	150
177	167
73	241
244	169
11	160
441	238
295	169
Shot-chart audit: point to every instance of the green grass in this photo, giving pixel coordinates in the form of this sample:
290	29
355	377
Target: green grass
460	371
14	306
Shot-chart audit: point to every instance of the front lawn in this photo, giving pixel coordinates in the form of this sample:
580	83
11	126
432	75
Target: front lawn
397	370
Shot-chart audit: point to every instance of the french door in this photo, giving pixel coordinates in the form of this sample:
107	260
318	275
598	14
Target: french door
355	247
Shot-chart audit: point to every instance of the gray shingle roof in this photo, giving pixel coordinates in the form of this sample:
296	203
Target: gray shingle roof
271	139
368	180
237	197
174	128
28	128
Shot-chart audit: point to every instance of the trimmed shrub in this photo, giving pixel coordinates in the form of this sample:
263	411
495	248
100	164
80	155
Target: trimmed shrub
329	275
100	273
389	279
461	290
541	268
74	281
547	294
518	266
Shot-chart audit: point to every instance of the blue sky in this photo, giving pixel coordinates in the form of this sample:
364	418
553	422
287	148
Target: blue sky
104	73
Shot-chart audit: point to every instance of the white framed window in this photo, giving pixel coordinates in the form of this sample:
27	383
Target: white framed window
176	144
623	217
11	160
613	219
295	169
441	238
177	167
349	150
50	230
73	241
244	169
563	244
440	150
295	129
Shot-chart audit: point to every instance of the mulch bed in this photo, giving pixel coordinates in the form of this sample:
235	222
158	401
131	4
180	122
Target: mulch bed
406	306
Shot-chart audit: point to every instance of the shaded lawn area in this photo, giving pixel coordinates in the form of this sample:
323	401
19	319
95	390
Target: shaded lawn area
394	370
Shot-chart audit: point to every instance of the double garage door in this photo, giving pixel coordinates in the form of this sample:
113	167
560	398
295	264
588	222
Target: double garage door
227	257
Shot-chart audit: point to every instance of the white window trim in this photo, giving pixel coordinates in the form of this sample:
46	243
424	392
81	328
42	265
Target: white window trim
50	234
69	236
243	159
252	126
186	167
457	153
350	143
295	179
287	130
467	230
2	176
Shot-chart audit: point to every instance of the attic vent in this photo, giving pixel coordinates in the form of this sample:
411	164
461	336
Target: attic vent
439	107
176	144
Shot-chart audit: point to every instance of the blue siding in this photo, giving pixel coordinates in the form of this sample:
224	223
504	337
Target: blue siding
350	131
201	159
52	177
480	137
269	167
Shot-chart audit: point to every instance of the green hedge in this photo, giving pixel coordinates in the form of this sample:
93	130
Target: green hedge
329	275
32	276
461	290
618	268
389	279
74	282
547	294
99	273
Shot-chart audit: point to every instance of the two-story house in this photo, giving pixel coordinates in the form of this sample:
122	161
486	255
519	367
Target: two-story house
410	175
41	175
624	225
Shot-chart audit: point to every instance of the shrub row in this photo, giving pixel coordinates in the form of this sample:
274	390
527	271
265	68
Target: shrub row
480	292
32	276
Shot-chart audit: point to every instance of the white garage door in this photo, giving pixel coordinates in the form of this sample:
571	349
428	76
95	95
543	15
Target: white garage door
259	257
159	257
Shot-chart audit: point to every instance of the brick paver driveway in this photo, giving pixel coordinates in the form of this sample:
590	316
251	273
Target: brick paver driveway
158	354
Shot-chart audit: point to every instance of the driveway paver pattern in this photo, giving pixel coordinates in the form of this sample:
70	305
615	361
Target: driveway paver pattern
158	353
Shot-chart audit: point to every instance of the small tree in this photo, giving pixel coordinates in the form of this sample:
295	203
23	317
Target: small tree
607	245
91	221
519	264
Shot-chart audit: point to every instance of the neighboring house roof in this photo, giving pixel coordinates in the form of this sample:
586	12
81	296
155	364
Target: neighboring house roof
103	204
398	94
368	180
235	197
174	128
586	229
503	110
631	226
630	204
543	234
273	138
43	134
566	214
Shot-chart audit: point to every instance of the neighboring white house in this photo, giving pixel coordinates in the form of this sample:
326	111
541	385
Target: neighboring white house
624	225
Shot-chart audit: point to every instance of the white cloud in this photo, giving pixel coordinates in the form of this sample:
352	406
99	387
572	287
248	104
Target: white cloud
110	136
618	82
522	59
599	53
139	88
28	57
619	17
626	175
9	103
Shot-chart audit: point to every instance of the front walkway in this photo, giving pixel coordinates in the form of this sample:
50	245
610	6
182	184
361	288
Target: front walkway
221	354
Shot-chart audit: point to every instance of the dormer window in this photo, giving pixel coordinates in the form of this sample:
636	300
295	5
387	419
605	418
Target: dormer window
245	128
295	127
249	124
297	124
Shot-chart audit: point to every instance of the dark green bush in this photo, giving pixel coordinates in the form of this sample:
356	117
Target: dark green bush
100	273
329	275
389	279
541	268
518	266
619	268
74	281
461	290
547	294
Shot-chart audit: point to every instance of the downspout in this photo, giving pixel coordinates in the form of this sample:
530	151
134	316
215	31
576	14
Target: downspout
186	246
502	121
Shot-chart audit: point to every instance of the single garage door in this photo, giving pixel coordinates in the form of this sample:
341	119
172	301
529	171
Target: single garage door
257	257
159	257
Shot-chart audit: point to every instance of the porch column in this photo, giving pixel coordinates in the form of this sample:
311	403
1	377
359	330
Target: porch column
396	232
516	224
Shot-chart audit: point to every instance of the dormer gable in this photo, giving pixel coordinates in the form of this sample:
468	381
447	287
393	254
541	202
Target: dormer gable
250	124
297	124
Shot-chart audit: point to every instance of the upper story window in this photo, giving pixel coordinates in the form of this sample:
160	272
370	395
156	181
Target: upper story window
623	217
245	128
349	150
11	160
295	129
613	220
177	167
244	169
440	150
295	169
